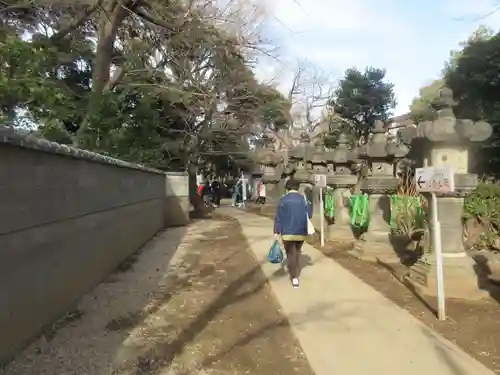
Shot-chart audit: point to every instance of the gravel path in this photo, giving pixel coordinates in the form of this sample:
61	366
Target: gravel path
90	340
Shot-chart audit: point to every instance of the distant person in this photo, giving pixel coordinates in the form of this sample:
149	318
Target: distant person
290	223
207	194
261	193
237	192
199	190
216	192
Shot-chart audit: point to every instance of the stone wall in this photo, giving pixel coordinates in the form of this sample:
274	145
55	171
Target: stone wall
67	219
177	203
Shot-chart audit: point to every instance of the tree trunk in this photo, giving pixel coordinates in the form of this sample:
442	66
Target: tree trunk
110	19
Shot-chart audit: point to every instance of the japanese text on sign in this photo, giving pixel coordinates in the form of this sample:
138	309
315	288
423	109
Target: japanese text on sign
435	179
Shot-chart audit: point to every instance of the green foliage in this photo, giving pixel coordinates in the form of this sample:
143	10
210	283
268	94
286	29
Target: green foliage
274	108
483	206
472	75
25	81
408	213
482	33
136	80
421	108
476	86
362	98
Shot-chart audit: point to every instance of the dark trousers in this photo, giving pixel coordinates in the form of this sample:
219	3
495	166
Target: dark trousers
293	250
260	200
217	198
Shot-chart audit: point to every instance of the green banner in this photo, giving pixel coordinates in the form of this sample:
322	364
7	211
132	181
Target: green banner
359	211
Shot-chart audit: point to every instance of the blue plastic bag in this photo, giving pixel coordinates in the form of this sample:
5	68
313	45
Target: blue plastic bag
275	255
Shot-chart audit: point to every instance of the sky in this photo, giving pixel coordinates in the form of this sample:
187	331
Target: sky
410	39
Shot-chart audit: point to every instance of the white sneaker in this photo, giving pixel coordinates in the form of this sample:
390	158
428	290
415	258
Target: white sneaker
295	283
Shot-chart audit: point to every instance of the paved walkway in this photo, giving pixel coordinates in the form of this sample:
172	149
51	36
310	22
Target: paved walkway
345	326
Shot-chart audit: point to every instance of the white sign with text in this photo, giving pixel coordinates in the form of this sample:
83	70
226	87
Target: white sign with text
435	180
320	180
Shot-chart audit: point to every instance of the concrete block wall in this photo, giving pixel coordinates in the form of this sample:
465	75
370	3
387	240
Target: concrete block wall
176	203
67	219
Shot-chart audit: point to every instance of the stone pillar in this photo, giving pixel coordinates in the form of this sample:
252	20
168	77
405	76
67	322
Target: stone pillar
380	156
445	142
341	179
461	279
301	157
377	238
450	216
341	229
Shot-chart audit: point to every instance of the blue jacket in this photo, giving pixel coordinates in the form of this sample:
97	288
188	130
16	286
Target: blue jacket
291	215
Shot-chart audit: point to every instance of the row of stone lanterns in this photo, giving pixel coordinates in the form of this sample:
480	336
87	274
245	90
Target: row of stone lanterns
445	141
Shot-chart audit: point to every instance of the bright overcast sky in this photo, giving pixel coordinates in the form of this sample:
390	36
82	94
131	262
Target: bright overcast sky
411	39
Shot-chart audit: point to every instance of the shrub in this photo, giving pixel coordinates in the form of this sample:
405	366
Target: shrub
482	209
408	208
408	214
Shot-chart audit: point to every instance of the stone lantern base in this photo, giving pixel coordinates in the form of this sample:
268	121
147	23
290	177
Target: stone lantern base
274	191
375	244
375	247
462	277
339	234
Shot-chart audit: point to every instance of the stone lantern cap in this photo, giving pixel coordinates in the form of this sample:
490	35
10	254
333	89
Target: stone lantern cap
268	157
342	154
265	142
304	138
319	152
257	170
265	155
446	127
380	146
300	152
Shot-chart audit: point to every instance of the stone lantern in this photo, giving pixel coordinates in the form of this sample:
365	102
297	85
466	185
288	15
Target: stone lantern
300	156
342	179
446	142
318	157
270	160
286	140
258	169
380	155
317	165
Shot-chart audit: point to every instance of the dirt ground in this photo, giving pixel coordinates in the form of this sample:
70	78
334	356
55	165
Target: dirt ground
226	317
214	313
474	326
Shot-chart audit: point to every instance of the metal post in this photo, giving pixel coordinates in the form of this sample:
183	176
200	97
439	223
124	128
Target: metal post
322	216
436	229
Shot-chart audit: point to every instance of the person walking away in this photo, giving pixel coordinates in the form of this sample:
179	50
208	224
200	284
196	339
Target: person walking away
207	195
290	223
236	190
216	193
